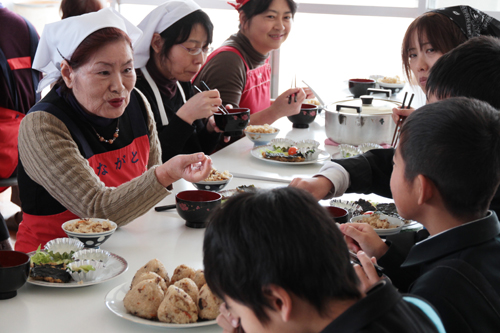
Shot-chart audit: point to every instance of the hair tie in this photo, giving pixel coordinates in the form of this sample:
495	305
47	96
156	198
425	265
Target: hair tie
238	4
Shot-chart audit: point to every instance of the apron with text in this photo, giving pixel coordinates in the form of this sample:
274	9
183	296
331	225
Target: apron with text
257	92
113	168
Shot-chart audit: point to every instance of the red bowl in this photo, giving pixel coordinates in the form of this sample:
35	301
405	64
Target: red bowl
14	271
339	215
196	206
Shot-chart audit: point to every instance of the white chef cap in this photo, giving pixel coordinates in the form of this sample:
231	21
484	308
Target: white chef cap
158	20
60	39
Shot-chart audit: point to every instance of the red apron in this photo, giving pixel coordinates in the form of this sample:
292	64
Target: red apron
113	169
257	92
9	131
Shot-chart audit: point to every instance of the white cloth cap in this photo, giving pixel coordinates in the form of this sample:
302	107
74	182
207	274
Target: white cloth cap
158	20
63	37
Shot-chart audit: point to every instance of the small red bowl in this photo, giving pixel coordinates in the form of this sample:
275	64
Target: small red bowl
339	215
196	206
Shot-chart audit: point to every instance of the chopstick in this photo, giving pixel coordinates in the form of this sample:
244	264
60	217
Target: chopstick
294	85
397	131
354	259
163	208
219	108
224	110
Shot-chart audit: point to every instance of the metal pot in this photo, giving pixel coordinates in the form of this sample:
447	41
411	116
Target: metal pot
361	120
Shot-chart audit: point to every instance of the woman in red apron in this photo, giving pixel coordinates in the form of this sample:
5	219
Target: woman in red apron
240	69
89	148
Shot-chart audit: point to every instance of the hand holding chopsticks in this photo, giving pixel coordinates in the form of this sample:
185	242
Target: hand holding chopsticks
221	108
401	119
294	85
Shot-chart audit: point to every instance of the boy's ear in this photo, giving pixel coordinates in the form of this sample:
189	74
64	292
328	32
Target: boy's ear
426	189
280	301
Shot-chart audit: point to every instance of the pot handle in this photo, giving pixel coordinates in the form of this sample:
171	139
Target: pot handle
387	92
357	108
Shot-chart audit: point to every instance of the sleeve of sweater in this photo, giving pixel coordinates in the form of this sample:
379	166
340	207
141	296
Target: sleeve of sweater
52	159
225	72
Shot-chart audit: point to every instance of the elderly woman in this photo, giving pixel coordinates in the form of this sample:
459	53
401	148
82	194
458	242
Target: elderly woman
90	147
174	46
240	68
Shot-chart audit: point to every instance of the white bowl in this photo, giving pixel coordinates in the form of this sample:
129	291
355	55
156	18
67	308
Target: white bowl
91	240
86	276
92	254
394	221
62	245
260	139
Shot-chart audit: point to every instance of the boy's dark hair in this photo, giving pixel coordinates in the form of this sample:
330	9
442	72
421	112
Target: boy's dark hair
256	7
179	32
456	144
470	70
281	237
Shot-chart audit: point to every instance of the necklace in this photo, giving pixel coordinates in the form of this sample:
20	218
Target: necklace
115	134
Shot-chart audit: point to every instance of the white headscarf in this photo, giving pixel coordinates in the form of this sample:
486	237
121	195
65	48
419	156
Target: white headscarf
158	20
60	39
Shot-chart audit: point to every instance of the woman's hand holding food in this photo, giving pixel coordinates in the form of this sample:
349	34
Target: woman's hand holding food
319	186
367	274
401	112
193	168
362	237
201	105
228	323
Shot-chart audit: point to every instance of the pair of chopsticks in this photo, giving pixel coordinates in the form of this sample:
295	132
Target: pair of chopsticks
354	259
397	131
221	107
294	85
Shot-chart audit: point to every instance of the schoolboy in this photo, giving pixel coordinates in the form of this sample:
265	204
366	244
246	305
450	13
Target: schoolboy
470	70
446	170
281	265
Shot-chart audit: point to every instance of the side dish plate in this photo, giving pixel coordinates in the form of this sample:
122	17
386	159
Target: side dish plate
257	153
115	267
114	302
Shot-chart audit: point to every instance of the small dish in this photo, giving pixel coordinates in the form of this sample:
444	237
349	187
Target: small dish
62	245
92	254
364	147
349	150
85	276
261	138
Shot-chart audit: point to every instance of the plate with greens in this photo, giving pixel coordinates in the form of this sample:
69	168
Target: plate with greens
114	267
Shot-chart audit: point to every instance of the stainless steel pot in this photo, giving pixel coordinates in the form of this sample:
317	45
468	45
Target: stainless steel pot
356	121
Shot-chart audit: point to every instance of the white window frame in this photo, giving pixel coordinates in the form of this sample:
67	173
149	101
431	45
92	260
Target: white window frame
310	8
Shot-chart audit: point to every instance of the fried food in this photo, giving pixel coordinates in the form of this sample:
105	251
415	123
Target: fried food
144	299
177	307
208	303
155	266
376	222
189	287
283	157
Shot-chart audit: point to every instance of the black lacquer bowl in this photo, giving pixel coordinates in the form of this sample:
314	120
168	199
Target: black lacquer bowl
14	271
196	206
234	122
306	116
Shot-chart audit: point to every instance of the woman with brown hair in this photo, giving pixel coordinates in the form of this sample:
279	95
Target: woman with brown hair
78	7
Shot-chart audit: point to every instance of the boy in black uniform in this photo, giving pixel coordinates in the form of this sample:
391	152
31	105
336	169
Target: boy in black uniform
446	171
281	265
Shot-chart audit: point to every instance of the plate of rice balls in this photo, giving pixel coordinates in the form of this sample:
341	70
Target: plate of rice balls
155	299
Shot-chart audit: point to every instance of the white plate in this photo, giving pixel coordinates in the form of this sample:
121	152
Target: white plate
257	153
114	302
384	232
391	85
115	267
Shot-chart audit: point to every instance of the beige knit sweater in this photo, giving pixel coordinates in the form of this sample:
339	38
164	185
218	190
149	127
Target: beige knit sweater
51	158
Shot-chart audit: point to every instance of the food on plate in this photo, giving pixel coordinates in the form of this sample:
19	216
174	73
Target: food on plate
177	307
312	101
266	128
199	278
86	226
246	188
186	300
155	266
144	299
150	276
189	287
181	272
49	266
282	157
366	205
391	80
376	222
387	209
208	303
216	176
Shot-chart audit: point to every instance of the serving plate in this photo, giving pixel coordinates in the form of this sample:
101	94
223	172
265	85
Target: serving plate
114	302
257	153
115	267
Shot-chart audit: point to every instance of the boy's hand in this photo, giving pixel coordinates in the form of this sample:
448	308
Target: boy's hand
319	186
228	323
400	112
362	237
367	274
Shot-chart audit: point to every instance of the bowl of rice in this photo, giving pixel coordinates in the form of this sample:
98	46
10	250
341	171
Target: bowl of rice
92	232
216	181
382	224
261	134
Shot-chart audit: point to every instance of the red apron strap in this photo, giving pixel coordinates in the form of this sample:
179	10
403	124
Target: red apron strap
9	131
19	63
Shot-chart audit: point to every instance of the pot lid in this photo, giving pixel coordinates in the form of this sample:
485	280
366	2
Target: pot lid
353	106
